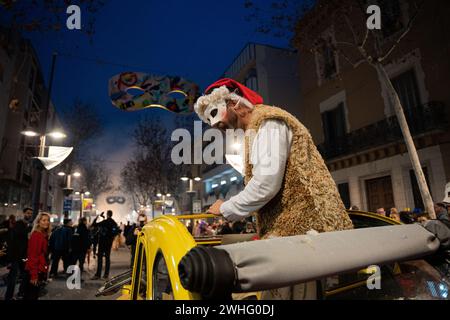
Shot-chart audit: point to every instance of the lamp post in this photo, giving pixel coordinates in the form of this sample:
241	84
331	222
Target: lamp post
82	193
43	127
163	198
67	191
38	165
191	192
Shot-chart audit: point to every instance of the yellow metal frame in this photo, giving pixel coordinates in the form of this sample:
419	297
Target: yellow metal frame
168	236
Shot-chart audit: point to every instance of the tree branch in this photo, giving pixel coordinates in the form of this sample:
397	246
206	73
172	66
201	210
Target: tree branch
408	28
355	38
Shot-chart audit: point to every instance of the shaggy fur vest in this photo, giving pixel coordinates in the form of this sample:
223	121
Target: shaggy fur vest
308	198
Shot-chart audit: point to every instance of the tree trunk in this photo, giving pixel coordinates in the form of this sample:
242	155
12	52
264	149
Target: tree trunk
424	191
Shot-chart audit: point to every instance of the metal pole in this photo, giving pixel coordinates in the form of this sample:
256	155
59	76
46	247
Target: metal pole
81	206
39	167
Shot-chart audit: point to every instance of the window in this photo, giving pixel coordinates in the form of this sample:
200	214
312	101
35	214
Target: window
345	194
162	288
391	17
334	124
406	86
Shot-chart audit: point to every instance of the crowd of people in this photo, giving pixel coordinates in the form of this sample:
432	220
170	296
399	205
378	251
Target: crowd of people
221	227
408	216
33	250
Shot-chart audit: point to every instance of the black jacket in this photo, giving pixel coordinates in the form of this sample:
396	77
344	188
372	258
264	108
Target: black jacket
81	239
108	229
17	242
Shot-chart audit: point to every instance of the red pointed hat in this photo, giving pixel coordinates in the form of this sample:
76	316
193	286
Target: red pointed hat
243	91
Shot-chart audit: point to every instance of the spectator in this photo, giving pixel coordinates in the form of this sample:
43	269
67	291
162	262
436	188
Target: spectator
108	230
60	247
249	228
132	236
441	213
189	227
37	264
238	227
80	243
394	215
225	228
197	231
381	211
16	241
93	233
405	217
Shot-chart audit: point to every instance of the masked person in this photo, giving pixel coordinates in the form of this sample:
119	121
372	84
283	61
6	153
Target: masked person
132	236
287	183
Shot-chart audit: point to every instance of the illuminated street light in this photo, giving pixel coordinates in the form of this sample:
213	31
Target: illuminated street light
159	195
61	174
30	133
87	193
168	195
77	192
184	178
197	178
77	174
57	135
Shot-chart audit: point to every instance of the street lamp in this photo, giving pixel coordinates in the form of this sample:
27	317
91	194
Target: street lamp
68	189
191	192
38	164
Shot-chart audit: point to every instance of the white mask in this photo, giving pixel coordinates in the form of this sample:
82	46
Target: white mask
215	113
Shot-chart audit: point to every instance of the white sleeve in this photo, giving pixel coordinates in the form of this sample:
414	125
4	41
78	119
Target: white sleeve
269	154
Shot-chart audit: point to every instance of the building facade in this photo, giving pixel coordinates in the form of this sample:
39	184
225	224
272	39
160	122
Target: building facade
23	96
352	120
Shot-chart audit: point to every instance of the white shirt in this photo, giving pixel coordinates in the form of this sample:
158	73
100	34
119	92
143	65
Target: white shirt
269	153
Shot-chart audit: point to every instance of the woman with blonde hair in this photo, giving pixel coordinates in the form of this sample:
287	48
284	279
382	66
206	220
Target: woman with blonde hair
37	264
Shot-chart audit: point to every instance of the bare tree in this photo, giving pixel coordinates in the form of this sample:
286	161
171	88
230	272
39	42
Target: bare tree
83	124
96	176
356	44
151	169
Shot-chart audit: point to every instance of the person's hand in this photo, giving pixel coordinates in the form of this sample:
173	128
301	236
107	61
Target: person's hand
215	208
34	282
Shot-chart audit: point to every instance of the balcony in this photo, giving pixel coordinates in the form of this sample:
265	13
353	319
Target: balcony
429	117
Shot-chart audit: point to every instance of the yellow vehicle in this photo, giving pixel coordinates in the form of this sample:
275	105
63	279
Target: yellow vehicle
163	243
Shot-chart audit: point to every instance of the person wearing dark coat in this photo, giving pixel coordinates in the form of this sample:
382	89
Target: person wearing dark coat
108	230
60	246
132	235
17	241
80	243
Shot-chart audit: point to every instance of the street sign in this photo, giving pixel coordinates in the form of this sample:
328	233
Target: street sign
67	204
196	206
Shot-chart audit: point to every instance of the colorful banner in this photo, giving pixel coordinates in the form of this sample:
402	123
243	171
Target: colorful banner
87	203
131	91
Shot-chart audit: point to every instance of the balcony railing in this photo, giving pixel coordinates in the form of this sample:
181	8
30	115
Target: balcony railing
422	119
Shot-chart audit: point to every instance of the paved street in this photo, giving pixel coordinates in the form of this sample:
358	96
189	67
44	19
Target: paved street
57	288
